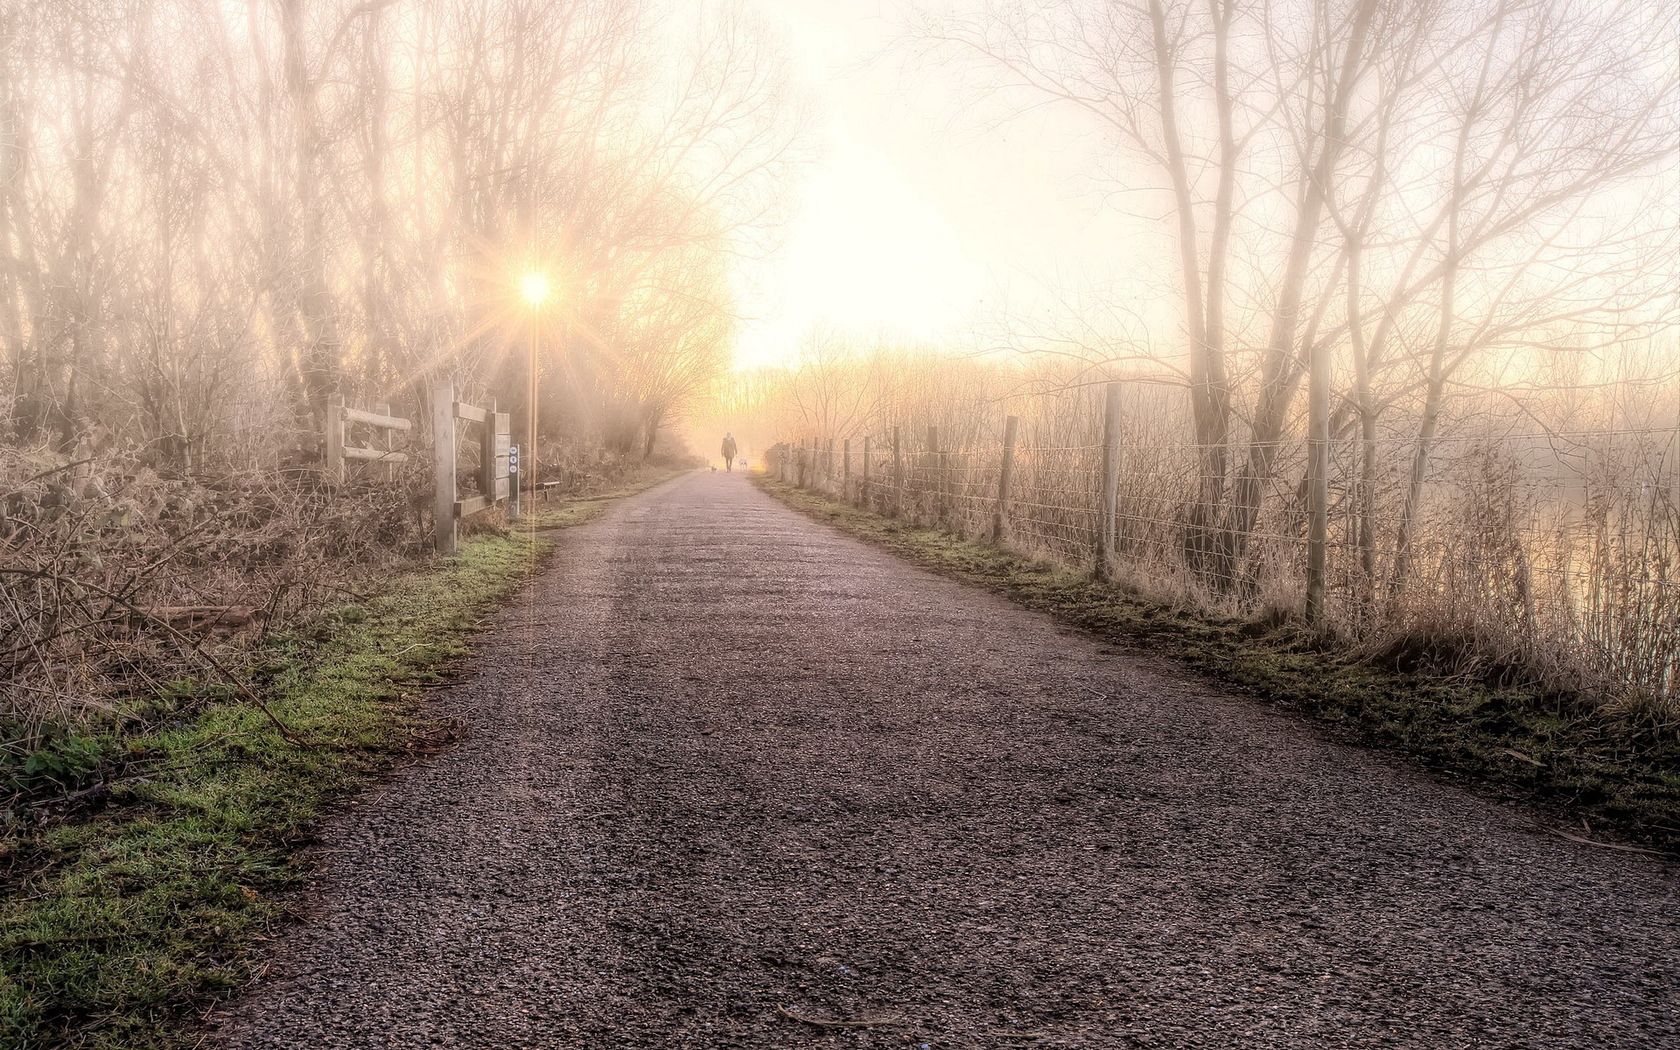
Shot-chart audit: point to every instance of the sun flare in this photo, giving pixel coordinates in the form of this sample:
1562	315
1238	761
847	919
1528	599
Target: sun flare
534	287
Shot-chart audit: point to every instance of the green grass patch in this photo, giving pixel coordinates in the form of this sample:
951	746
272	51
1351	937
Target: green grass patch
124	916
1565	755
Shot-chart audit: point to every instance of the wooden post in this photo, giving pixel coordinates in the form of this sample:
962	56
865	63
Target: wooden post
81	475
487	453
1110	479
863	490
335	439
898	477
938	466
846	468
384	409
1318	477
1005	472
443	464
828	462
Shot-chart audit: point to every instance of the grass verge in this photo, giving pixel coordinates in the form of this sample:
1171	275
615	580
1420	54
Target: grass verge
121	920
1563	755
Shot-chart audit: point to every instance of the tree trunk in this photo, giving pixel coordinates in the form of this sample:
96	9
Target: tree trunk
1281	371
1209	398
319	363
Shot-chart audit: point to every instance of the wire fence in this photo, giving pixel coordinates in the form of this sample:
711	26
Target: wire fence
1555	549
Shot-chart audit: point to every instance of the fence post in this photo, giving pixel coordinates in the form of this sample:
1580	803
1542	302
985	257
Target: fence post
1110	478
937	463
1005	473
81	475
443	464
828	463
1318	477
487	454
863	489
335	439
846	469
898	477
384	409
802	460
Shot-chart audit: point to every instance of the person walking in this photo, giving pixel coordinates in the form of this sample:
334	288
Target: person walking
728	451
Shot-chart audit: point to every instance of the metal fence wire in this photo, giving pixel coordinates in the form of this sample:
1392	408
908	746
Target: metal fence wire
1559	546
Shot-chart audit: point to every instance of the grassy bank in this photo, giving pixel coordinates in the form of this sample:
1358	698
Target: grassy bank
1588	771
128	912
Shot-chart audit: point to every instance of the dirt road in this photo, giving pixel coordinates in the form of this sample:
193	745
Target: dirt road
734	780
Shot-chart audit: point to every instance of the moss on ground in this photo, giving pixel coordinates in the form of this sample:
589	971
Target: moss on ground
122	919
1566	755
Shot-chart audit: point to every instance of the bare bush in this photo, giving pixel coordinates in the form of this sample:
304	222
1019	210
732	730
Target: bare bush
120	579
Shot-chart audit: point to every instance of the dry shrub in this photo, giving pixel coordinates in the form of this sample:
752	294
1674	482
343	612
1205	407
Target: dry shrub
119	579
1469	604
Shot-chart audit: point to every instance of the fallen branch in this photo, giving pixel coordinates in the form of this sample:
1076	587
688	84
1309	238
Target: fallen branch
1619	847
202	616
233	680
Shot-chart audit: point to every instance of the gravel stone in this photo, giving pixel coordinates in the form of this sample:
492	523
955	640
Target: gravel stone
729	772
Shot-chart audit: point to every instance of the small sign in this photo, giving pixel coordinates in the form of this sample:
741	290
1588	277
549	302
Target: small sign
513	459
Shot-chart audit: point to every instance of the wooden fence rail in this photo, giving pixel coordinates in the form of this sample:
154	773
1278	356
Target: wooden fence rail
494	476
496	460
340	418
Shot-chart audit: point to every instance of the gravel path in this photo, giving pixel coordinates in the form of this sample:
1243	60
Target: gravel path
728	769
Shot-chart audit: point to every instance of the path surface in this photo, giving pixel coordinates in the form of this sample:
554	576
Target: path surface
726	765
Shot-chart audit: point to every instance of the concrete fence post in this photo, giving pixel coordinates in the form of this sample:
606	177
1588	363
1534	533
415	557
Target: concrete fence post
1110	480
1006	473
898	476
863	489
846	469
443	464
936	463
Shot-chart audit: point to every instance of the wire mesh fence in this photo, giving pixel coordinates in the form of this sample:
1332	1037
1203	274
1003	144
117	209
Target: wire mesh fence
1558	548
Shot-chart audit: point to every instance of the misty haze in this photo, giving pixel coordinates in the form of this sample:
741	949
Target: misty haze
582	524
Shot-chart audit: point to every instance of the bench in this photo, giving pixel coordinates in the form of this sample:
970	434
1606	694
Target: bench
545	486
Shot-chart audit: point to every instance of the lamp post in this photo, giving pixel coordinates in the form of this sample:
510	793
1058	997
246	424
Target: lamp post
534	289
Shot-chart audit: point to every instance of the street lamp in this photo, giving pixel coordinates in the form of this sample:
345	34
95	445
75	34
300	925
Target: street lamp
534	289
